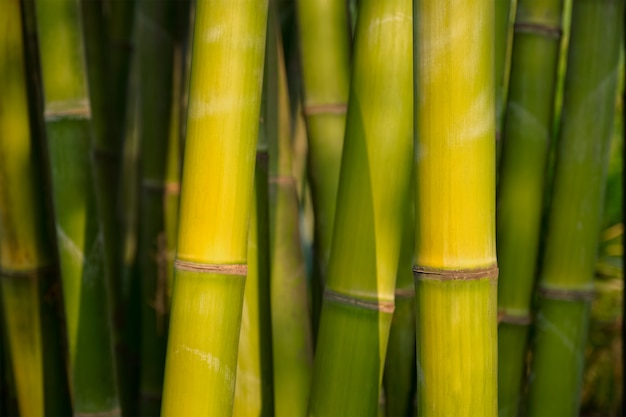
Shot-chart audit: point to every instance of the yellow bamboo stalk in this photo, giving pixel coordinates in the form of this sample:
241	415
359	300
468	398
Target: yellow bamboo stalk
216	198
455	155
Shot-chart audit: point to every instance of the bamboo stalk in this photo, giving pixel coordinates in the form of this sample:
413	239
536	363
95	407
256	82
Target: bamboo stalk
574	220
455	273
27	262
156	79
254	387
359	295
67	114
504	10
292	348
399	379
527	137
210	268
325	55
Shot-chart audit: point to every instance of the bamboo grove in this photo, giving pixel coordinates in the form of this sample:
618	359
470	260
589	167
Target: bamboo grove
311	207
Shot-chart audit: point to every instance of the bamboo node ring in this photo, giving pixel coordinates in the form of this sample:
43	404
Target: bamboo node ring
425	273
287	180
226	269
382	306
405	292
538	28
566	294
26	273
110	413
330	108
520	320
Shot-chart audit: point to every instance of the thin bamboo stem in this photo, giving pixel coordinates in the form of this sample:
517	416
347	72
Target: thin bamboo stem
527	137
292	347
325	55
455	273
575	216
68	127
216	198
371	205
156	82
27	263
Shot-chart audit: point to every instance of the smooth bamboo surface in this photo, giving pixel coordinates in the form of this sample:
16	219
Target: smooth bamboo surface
527	137
455	192
216	198
325	64
575	216
292	346
68	128
371	205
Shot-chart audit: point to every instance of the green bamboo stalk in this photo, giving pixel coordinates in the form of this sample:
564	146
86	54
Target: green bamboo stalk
456	272
292	348
574	220
254	387
504	10
222	129
68	127
527	137
156	81
28	274
371	204
399	379
325	53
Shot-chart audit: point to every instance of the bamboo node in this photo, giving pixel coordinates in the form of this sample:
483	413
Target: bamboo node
26	273
520	320
405	292
330	108
226	269
71	109
110	413
262	156
382	306
425	273
286	180
567	294
167	187
538	29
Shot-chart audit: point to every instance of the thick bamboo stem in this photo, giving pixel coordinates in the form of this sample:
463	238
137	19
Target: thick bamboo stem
222	129
371	205
575	216
455	275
